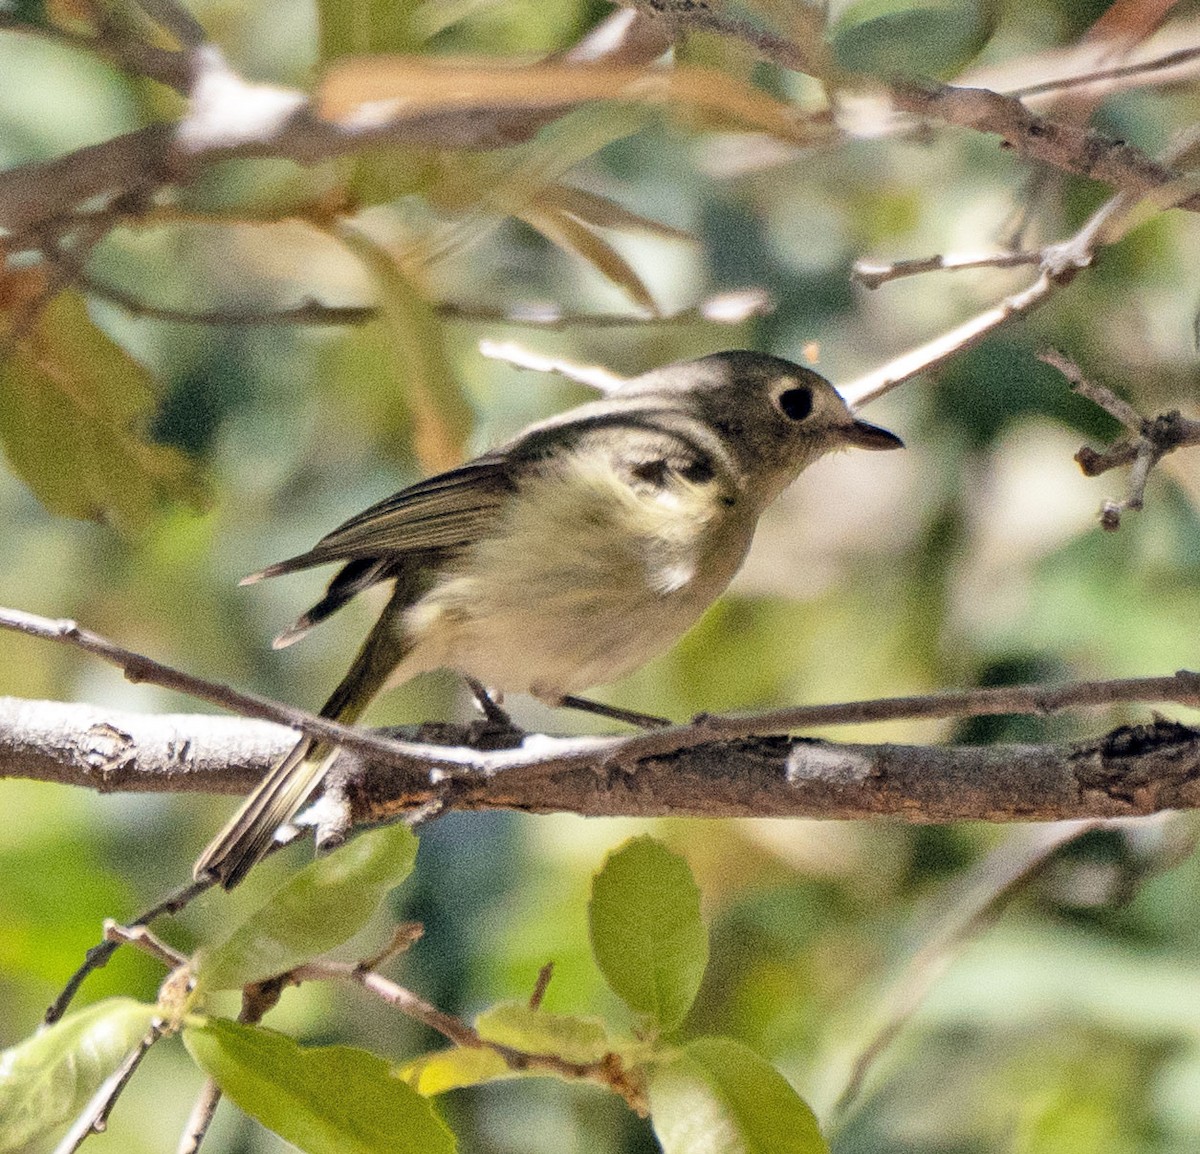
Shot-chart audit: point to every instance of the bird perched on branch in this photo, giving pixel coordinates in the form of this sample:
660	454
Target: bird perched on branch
564	559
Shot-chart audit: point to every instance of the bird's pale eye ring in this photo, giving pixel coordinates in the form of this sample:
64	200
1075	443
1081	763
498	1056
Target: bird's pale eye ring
795	403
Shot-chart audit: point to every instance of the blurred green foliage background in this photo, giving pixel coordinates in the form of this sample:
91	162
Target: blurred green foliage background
974	558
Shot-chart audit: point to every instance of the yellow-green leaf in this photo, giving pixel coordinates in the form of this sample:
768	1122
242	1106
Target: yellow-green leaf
719	1097
326	903
455	1069
602	212
74	407
647	934
568	1036
569	234
355	27
413	86
426	383
48	1078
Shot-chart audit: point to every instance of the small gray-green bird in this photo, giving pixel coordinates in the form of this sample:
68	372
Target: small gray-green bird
565	559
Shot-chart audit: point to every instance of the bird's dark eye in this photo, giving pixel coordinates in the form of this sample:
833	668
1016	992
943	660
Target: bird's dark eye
796	403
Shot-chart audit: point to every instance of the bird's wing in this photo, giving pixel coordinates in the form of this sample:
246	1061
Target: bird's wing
443	512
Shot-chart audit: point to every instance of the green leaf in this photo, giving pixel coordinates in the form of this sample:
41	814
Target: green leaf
363	27
326	903
912	37
719	1097
572	1038
325	1100
572	235
646	930
455	1069
48	1078
73	413
442	417
487	187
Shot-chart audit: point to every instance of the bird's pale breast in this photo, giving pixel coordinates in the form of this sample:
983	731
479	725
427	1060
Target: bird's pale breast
585	579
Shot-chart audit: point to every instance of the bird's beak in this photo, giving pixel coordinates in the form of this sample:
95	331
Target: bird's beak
862	435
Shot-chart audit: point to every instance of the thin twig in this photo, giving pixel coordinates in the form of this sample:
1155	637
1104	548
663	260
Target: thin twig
933	959
872	274
138	668
608	1071
257	999
870	386
200	1119
403	938
1147	441
139	936
99	954
727	308
1115	406
1100	75
94	1119
594	376
309	312
1059	264
540	986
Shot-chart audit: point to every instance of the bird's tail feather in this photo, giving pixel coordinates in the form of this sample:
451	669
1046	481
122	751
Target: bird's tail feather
276	800
295	777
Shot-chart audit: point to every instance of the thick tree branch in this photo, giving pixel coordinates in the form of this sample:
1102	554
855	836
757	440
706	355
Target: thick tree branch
1133	770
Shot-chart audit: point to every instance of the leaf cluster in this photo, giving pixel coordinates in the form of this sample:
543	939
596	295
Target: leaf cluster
648	938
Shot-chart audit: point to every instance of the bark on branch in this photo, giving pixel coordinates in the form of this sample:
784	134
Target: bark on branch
1130	771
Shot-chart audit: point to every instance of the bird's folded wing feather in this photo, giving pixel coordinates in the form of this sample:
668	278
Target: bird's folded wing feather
446	511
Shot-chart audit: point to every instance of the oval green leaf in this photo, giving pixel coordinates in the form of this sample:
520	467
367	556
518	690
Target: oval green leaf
48	1078
74	415
912	37
647	935
567	1036
325	904
719	1097
325	1100
454	1069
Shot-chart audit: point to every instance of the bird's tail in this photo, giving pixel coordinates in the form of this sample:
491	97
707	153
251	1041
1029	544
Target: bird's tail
294	778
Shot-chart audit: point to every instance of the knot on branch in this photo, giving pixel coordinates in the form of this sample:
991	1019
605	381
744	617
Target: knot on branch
1146	766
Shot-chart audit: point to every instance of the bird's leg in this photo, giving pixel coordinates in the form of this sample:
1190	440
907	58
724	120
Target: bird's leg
629	716
491	711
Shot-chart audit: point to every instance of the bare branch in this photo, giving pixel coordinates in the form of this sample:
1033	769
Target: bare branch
231	117
1065	146
594	376
1146	444
870	386
727	308
138	668
1122	410
309	312
698	773
541	985
99	955
200	1119
144	940
872	274
1104	76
